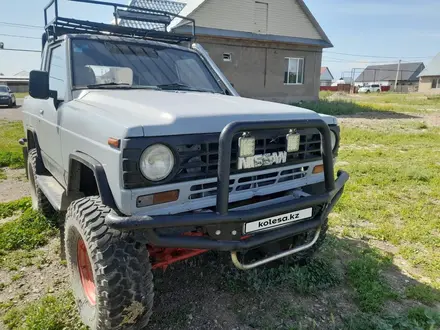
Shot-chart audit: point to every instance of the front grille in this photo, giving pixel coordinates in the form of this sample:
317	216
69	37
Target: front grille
250	182
198	155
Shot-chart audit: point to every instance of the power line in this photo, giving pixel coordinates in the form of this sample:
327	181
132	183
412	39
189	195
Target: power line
18	36
21	50
344	60
376	56
24	26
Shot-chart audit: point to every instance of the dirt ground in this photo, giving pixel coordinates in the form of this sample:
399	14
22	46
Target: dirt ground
15	186
11	113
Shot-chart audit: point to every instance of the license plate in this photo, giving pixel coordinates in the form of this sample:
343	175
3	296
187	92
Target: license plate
277	221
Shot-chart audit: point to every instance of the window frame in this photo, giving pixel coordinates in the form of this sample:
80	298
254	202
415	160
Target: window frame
287	70
47	62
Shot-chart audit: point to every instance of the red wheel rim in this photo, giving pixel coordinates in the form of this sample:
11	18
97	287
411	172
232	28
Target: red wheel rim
86	272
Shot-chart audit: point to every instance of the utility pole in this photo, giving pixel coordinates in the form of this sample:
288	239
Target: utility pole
397	75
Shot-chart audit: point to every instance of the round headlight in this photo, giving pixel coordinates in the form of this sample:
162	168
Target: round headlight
333	139
157	162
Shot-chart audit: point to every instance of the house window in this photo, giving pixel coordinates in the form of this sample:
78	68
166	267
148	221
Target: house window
227	57
294	74
435	83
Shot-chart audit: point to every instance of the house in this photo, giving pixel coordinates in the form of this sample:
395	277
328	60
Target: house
385	75
430	77
326	76
268	49
18	83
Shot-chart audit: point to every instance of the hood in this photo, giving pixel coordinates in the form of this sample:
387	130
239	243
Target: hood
178	112
4	94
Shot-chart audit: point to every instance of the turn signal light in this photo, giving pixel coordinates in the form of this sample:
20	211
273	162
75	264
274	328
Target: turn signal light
113	142
318	169
159	198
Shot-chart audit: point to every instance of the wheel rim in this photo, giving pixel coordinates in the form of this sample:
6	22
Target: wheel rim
86	273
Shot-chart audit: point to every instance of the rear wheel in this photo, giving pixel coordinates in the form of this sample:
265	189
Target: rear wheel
39	200
110	272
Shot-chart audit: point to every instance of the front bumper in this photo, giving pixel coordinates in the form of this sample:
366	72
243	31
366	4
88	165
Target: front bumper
223	218
5	101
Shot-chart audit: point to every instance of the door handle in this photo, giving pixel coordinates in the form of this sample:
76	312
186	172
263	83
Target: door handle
41	111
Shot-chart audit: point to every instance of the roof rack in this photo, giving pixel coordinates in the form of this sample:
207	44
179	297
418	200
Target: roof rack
62	25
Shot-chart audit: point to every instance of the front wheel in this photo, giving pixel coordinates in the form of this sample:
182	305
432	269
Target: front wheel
110	272
39	200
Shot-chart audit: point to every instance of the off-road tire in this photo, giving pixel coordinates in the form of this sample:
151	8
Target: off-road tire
302	257
120	265
39	200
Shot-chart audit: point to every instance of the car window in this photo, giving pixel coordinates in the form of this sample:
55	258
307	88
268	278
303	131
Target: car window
4	89
149	65
57	71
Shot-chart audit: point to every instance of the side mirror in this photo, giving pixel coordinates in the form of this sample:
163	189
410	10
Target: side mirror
39	85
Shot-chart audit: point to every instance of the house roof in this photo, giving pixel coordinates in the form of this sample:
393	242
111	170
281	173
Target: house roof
187	7
326	70
174	7
433	68
387	72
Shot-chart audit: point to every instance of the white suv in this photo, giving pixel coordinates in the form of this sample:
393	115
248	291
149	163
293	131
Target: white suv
370	89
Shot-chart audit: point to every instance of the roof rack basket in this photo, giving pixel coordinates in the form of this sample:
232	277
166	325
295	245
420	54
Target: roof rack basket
62	25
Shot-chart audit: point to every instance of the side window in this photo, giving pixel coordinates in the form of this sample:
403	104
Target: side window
190	73
57	71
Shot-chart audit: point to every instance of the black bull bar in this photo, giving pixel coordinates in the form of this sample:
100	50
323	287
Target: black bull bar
222	216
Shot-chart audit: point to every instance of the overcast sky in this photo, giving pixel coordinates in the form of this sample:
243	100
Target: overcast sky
377	30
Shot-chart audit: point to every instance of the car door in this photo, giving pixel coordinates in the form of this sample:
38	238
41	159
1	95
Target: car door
48	132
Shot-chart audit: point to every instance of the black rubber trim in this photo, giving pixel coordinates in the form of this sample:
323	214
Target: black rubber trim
37	145
100	177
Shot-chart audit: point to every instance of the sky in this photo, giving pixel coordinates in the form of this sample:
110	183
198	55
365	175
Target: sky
376	31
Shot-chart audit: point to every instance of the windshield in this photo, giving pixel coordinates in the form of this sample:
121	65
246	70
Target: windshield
103	64
4	89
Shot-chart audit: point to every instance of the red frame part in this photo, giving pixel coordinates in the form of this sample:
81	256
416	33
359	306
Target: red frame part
163	257
86	272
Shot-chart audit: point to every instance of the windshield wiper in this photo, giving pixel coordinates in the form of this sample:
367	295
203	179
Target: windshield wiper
119	85
183	87
110	84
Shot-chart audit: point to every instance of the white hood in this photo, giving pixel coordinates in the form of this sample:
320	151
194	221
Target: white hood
176	113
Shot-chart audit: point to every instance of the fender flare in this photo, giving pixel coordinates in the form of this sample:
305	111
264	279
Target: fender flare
100	177
35	139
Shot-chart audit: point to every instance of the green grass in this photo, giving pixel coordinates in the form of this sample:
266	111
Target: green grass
318	275
394	189
9	208
383	103
423	293
28	232
49	313
364	274
20	95
418	318
10	150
